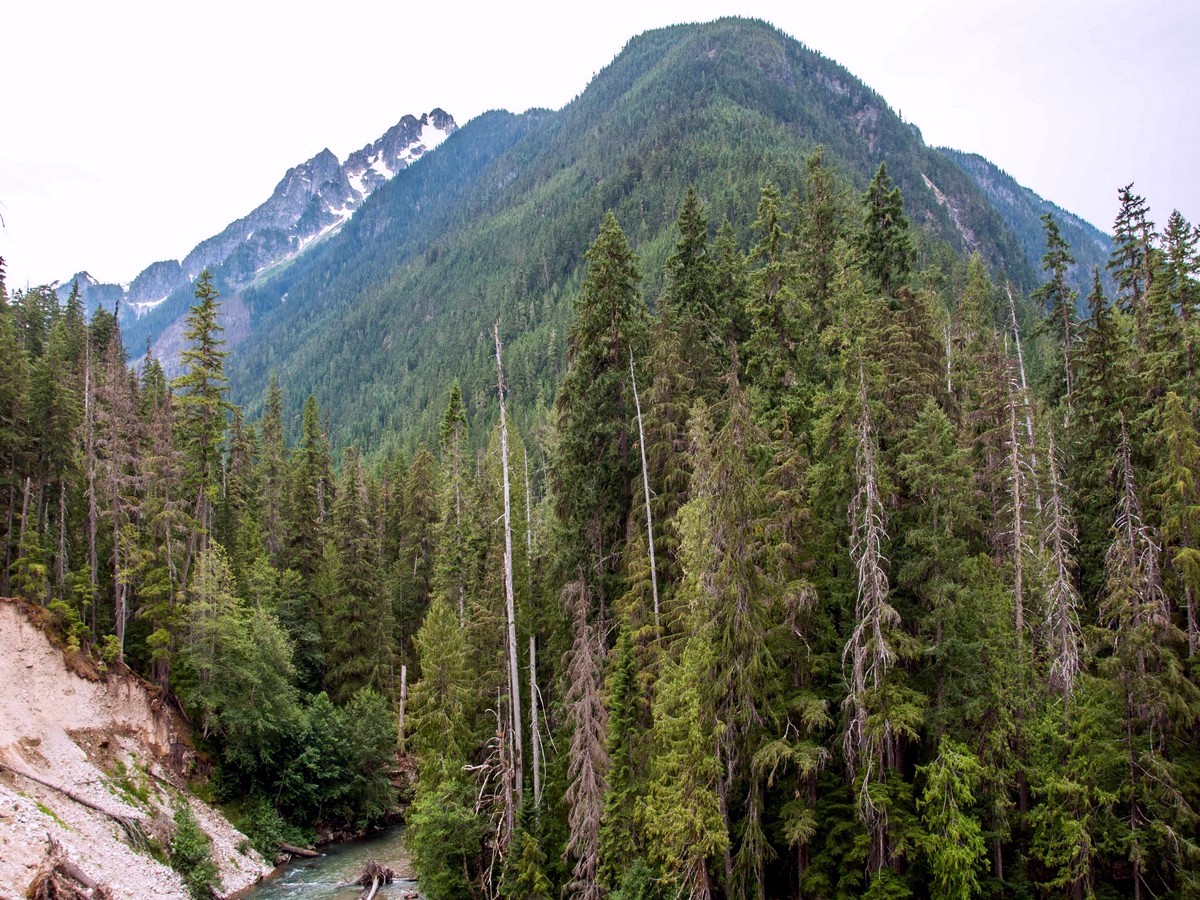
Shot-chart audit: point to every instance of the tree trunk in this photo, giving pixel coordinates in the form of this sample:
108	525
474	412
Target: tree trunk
646	490
514	677
535	737
403	704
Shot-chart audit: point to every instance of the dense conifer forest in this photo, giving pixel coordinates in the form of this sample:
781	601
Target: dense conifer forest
839	566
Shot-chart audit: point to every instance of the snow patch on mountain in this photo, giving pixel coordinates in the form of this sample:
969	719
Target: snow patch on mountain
312	201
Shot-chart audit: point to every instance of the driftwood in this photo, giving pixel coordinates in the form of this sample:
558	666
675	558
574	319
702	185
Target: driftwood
61	879
134	828
297	851
372	877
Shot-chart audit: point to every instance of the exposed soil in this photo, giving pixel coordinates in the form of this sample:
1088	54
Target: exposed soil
110	740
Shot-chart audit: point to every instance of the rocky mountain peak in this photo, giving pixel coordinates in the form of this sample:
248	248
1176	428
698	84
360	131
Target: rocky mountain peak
312	200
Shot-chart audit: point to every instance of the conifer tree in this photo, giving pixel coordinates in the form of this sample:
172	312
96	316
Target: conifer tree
594	472
358	622
450	572
1058	300
954	838
1177	491
1133	238
201	404
272	474
773	309
730	282
1062	629
309	492
589	764
821	226
680	809
879	712
1104	395
1180	270
118	431
884	242
689	302
14	408
1156	698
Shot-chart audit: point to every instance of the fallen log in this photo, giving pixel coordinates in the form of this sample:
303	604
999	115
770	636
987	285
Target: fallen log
61	879
134	828
297	851
372	877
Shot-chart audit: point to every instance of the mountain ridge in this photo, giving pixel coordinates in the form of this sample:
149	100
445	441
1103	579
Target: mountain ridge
310	201
380	322
381	313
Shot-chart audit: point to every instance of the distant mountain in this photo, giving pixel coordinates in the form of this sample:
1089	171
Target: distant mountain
311	202
375	292
1022	210
380	319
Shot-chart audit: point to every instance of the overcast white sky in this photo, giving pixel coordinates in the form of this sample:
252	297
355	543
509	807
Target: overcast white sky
130	131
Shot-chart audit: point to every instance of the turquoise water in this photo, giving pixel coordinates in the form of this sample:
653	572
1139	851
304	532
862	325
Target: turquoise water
314	879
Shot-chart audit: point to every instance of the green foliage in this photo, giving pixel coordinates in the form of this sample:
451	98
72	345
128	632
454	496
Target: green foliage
840	441
525	874
235	670
884	243
444	834
191	856
954	841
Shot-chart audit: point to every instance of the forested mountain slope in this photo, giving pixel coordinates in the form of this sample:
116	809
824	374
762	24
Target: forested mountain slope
490	227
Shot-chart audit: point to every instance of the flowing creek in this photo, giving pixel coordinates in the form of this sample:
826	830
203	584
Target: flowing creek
315	878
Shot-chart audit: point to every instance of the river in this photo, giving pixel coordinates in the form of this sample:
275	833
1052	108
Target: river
314	879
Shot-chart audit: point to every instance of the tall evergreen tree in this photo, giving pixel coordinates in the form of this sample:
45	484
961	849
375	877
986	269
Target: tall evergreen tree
884	242
594	473
202	405
1133	238
1058	300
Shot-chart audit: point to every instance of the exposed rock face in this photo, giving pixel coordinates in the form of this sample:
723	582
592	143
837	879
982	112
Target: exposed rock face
110	742
313	199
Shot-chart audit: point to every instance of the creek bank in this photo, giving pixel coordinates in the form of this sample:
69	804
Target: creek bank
326	877
84	751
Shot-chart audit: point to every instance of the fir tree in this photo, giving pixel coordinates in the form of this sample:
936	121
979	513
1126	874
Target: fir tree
594	473
1133	237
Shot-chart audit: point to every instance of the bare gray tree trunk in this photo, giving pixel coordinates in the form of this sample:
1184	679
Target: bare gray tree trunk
1062	600
514	678
89	415
535	736
62	539
1016	487
869	652
403	704
646	490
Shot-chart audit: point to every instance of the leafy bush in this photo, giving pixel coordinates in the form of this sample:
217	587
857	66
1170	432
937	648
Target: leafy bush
190	853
